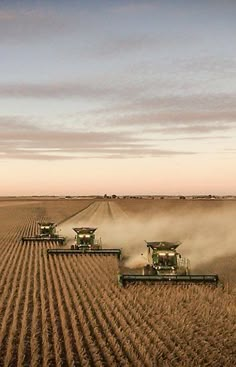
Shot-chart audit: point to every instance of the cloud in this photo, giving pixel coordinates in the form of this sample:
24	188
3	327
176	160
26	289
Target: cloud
129	44
177	117
173	114
195	138
54	90
61	90
172	107
176	122
192	128
23	140
201	102
22	25
211	64
132	7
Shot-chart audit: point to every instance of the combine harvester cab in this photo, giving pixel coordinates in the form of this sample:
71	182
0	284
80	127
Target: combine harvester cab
85	239
166	266
47	232
86	243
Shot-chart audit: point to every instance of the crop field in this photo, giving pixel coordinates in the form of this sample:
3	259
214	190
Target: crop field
69	310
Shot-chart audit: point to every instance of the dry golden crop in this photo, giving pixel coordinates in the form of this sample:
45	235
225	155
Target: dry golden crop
69	310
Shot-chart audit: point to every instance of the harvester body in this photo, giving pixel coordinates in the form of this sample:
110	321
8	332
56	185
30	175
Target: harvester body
85	239
86	244
163	259
47	232
166	266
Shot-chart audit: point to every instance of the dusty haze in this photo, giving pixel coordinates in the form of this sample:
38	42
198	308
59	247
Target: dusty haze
206	229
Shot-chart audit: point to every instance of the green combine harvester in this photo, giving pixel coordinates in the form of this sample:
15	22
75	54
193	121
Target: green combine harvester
47	232
85	243
166	266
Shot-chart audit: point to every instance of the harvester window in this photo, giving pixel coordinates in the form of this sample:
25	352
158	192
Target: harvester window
167	260
161	260
171	261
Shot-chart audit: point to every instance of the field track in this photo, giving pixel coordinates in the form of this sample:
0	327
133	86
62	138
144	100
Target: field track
69	310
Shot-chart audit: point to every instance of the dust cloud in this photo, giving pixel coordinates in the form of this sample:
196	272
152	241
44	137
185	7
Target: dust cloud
66	230
207	232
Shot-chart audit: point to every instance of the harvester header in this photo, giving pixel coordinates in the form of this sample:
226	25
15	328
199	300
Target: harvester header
47	232
67	251
124	279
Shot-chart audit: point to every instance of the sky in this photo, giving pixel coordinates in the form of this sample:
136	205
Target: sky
118	97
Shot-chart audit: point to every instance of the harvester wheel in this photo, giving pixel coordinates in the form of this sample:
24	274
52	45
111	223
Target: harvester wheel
147	270
153	271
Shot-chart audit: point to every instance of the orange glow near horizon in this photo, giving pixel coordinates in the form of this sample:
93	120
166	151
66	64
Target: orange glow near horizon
131	176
